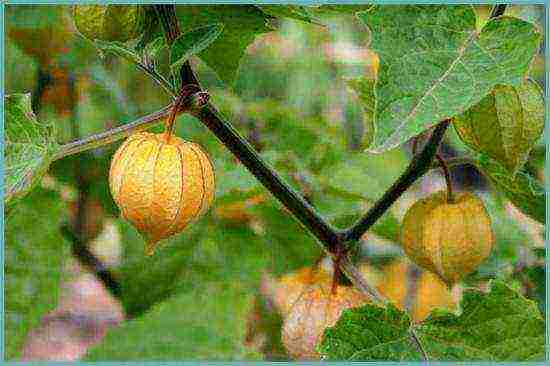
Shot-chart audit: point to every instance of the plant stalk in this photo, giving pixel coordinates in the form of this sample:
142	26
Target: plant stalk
417	168
114	134
290	198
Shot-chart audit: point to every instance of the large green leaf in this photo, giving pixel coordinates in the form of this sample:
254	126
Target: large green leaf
34	252
205	323
500	325
434	64
30	147
524	191
190	300
145	280
242	23
505	124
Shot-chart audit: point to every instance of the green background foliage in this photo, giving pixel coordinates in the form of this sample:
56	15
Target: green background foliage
297	83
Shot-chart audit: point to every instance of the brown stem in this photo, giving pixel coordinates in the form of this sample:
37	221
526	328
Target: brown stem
184	96
448	180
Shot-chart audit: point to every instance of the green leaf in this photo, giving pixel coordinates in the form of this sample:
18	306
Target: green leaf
537	286
500	325
159	276
108	22
34	253
30	147
242	23
434	64
207	322
524	191
506	124
297	12
192	42
191	299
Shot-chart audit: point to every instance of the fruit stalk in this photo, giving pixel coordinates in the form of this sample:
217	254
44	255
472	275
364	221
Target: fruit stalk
448	180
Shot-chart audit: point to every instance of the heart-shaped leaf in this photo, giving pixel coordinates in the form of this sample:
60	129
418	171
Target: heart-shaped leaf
435	64
500	325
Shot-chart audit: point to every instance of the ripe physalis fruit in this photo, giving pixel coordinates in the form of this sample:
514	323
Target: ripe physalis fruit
450	239
160	184
316	309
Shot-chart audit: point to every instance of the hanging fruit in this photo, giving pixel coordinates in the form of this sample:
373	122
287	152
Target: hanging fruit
161	184
450	239
312	312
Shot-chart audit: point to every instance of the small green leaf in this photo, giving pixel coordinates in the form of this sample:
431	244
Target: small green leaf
500	325
242	23
524	191
192	42
297	12
30	147
506	124
434	64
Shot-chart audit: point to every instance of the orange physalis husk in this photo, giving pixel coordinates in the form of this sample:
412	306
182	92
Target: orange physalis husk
161	185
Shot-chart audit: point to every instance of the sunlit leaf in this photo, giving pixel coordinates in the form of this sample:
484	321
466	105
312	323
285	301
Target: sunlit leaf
30	147
434	64
500	325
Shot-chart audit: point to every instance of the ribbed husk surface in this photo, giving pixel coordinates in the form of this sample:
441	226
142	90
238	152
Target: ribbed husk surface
448	239
312	312
159	186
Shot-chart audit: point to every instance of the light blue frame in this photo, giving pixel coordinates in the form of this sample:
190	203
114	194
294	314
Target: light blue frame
44	2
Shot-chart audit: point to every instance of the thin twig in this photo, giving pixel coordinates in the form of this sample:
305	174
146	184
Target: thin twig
89	260
114	134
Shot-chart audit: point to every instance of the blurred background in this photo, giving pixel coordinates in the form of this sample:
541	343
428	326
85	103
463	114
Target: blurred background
200	296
